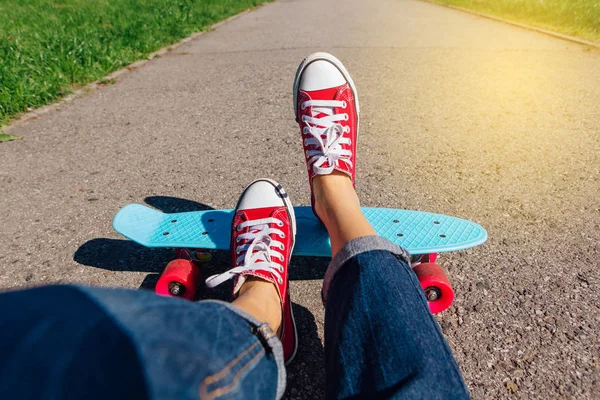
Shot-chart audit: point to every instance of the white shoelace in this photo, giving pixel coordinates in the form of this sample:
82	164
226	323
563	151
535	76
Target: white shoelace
329	149
257	253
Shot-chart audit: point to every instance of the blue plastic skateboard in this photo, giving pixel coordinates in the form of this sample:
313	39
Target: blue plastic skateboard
418	232
423	234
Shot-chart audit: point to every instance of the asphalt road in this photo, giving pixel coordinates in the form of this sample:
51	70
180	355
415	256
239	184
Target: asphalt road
460	115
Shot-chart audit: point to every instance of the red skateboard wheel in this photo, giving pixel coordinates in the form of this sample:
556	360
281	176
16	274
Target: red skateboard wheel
179	279
436	286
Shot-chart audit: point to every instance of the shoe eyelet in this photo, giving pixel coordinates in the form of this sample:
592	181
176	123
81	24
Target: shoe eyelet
305	130
304	118
282	235
344	104
237	239
303	106
346	117
280	281
280	223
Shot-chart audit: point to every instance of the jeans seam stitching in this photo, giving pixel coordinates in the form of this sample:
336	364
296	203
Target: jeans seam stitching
218	392
217	376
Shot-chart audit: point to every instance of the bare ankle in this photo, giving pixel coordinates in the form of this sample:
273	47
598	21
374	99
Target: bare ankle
334	191
260	299
336	178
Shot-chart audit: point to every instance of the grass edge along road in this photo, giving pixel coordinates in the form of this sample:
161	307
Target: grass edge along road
48	48
580	18
7	138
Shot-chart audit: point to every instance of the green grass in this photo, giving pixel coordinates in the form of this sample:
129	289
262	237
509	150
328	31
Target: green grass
7	138
572	17
50	47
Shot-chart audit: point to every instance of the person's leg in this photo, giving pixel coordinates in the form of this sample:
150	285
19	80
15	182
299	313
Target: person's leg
262	239
337	205
72	342
381	341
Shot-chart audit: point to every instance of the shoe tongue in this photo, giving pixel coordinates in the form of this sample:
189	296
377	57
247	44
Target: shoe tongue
258	213
324	94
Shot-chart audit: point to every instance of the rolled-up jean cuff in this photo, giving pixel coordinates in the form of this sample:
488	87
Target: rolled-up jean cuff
271	340
357	246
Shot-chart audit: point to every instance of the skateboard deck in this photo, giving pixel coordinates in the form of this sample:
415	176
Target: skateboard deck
417	231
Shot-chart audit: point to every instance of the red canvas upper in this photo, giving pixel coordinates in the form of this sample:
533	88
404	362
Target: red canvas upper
280	279
349	128
279	213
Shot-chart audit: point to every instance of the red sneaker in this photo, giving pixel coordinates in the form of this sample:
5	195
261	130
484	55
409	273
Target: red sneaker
326	107
262	239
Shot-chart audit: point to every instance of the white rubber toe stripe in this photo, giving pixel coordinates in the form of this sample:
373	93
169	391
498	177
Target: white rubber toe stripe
332	59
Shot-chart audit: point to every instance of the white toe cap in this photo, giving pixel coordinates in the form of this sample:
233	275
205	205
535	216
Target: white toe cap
261	194
320	75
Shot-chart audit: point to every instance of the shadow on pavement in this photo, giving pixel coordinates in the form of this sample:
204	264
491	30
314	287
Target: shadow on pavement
308	268
149	282
168	204
306	374
122	255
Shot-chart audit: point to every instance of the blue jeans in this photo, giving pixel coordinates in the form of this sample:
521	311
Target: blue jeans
73	342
